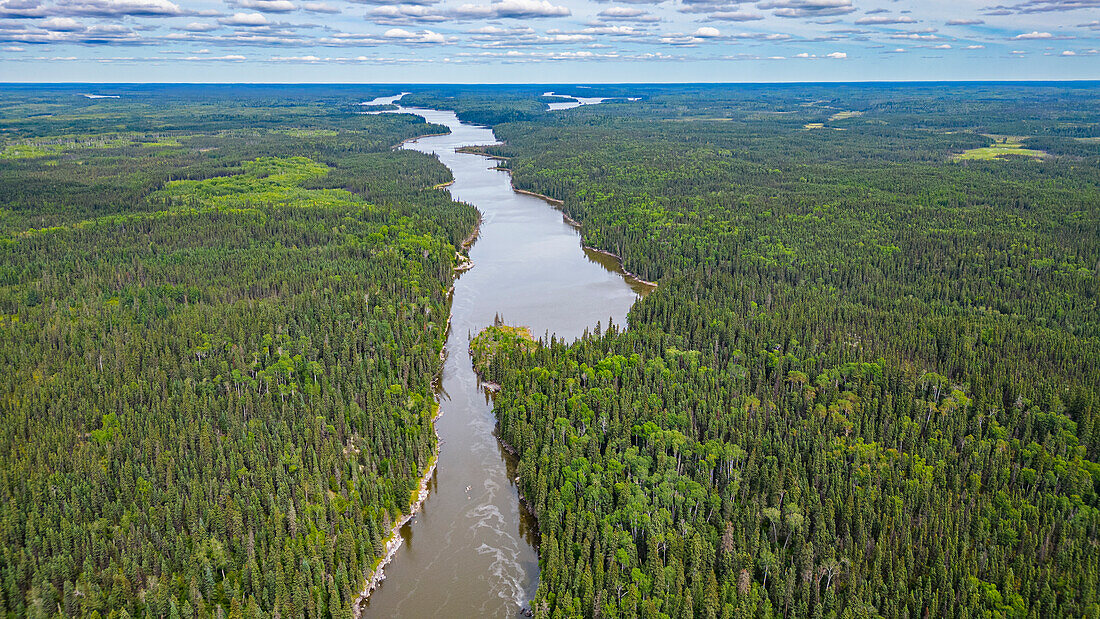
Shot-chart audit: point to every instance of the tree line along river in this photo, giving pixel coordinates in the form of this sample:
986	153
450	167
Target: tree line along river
471	548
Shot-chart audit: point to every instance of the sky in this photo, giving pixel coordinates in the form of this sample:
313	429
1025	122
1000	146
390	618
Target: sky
546	41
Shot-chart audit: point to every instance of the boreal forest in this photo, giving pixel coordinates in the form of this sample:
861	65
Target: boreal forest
221	318
866	383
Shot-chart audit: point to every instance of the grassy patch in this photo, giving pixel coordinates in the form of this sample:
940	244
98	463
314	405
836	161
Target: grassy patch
845	115
1001	147
23	151
267	180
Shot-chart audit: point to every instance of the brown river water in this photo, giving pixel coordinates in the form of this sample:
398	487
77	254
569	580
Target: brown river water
470	550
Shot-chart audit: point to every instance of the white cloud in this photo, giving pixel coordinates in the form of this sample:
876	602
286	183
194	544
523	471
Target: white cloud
118	8
735	16
707	6
225	58
198	26
596	30
498	31
882	20
1043	6
61	24
406	13
760	36
808	8
620	31
1034	34
250	20
267	6
392	2
107	29
21	8
320	7
833	55
623	13
916	36
513	9
424	36
701	35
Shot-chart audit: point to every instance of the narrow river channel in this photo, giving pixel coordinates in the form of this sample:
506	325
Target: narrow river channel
470	551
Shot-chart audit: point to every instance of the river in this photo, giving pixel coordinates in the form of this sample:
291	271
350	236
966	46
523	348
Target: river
573	101
471	549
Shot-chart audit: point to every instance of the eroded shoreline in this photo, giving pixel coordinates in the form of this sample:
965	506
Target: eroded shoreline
393	539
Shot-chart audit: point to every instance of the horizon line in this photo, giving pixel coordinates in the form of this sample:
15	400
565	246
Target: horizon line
670	83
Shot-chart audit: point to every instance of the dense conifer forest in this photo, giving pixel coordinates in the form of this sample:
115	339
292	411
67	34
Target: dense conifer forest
220	317
867	384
